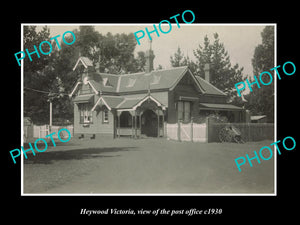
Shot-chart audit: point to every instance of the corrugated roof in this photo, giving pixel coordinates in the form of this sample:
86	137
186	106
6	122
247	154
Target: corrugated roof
138	81
142	81
128	103
113	101
159	79
208	87
83	98
145	80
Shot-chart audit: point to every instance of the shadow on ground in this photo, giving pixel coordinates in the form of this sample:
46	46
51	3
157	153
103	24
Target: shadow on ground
77	154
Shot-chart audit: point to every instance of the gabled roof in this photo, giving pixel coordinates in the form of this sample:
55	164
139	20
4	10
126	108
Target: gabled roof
86	62
109	101
142	81
120	103
133	103
135	82
209	88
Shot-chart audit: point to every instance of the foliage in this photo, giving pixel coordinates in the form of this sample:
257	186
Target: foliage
53	73
261	100
180	60
222	74
37	73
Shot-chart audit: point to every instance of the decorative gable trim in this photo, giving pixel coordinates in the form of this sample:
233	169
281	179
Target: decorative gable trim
86	62
72	93
94	89
98	101
76	86
145	99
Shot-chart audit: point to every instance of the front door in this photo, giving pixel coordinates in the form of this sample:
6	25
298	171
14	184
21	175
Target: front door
149	123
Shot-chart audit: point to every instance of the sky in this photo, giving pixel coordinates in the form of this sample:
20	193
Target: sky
239	40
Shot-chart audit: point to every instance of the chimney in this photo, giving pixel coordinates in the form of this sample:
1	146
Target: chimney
206	72
149	61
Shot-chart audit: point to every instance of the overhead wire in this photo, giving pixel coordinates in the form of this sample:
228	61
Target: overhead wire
44	92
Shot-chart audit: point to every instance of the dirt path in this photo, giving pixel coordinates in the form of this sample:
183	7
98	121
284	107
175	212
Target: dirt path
147	166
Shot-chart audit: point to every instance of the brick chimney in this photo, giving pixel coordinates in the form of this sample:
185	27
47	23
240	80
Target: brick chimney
149	61
206	72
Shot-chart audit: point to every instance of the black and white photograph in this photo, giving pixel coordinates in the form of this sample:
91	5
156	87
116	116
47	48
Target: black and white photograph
159	117
128	111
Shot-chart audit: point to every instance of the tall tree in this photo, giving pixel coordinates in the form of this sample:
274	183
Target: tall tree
261	100
140	61
178	59
222	74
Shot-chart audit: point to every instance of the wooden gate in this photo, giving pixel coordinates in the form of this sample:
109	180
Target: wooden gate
187	132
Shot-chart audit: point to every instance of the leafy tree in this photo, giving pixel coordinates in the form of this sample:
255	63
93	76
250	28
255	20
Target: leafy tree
53	74
140	61
261	100
37	74
117	53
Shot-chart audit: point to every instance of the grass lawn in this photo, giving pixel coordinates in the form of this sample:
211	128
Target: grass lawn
147	166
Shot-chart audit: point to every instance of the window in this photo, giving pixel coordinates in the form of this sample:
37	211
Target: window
187	111
184	111
131	82
106	82
85	113
180	110
156	79
105	116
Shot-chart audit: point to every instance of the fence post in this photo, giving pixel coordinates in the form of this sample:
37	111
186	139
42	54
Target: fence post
179	130
248	124
207	129
192	134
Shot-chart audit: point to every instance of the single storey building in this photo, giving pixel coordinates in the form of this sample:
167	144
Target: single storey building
140	104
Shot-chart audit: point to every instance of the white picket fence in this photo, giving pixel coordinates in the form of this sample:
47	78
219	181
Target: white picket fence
42	131
187	132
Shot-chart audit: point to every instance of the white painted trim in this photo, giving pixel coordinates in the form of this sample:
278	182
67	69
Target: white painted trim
122	110
70	95
94	89
118	85
105	103
86	95
146	98
78	62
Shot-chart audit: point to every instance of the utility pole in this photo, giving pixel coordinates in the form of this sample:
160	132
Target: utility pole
50	122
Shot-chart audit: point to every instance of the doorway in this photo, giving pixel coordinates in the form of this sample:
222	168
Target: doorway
149	123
